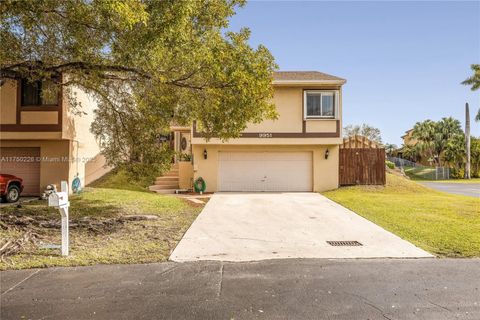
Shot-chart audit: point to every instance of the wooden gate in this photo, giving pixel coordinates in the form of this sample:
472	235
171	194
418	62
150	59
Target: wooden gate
361	162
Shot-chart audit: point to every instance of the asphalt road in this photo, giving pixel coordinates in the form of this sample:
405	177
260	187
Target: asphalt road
466	189
275	289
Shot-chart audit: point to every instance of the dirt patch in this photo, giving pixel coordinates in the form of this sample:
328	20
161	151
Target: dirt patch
134	227
398	172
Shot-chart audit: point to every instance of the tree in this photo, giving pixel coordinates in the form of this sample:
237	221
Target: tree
390	148
474	81
433	137
475	156
454	154
411	152
424	133
467	142
365	130
147	62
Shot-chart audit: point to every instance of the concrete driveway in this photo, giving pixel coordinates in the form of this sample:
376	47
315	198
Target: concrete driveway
258	226
466	189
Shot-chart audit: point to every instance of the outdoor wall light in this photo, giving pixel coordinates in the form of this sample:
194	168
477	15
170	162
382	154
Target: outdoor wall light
205	154
326	154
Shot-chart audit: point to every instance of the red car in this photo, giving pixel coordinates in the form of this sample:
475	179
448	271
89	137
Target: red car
10	187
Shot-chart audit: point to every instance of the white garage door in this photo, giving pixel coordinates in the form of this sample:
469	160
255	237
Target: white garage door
265	171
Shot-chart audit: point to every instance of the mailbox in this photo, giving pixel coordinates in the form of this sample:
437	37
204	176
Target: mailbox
58	199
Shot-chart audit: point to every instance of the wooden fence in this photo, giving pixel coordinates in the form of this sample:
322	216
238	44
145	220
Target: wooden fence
362	163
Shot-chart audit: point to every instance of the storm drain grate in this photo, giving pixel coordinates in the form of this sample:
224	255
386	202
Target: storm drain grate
344	243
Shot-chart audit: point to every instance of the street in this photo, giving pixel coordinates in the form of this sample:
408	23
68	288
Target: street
466	189
273	289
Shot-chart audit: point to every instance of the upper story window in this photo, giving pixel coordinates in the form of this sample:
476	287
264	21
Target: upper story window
320	104
39	93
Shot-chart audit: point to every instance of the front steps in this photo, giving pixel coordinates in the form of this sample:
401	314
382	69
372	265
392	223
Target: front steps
168	183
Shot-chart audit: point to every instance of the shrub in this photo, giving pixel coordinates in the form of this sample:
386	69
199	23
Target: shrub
456	173
185	157
390	164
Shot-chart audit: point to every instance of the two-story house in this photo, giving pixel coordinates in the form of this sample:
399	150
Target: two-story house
43	140
299	151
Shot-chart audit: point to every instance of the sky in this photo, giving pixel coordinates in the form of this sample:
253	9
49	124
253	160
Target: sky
403	61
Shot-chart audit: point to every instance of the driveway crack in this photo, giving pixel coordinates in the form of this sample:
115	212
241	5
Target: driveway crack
19	283
370	303
220	283
440	306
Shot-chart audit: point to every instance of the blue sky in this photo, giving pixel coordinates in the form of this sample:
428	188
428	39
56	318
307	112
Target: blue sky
403	61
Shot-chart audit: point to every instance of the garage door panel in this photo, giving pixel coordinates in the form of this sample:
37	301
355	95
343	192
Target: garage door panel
237	175
23	163
288	175
265	171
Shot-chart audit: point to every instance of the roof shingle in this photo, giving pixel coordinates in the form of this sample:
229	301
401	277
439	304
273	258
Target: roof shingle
303	76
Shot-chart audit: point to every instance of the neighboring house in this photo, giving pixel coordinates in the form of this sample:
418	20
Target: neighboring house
297	152
409	142
43	140
408	139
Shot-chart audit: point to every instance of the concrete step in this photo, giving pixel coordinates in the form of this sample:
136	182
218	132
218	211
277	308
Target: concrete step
165	191
166	182
171	174
163	187
166	178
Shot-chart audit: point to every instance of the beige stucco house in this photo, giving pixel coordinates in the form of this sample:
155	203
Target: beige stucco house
43	140
297	152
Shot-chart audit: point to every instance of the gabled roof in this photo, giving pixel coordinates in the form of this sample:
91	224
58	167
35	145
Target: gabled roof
305	77
407	133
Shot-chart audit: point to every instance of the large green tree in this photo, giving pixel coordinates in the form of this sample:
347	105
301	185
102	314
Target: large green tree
434	137
474	81
148	62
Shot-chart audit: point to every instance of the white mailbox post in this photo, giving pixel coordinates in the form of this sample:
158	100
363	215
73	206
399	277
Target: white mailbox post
60	201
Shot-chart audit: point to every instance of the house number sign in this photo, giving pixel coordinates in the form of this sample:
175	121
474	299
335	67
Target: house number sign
265	135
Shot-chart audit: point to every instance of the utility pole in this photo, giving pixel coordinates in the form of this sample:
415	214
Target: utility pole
467	140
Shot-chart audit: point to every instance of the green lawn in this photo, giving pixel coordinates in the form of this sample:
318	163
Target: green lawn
119	179
420	173
111	239
428	174
443	224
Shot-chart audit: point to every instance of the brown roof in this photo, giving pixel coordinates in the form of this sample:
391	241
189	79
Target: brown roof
303	76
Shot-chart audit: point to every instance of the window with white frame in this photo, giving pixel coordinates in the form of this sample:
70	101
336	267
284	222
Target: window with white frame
319	104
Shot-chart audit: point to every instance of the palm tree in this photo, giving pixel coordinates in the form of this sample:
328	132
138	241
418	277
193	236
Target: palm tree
449	129
410	153
433	137
424	133
475	156
467	142
474	81
390	148
454	153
